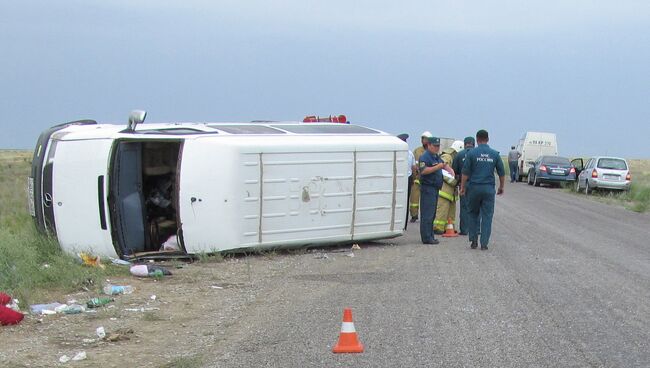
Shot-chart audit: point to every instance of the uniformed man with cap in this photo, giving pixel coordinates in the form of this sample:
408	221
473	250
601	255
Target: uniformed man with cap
478	171
457	165
414	198
431	166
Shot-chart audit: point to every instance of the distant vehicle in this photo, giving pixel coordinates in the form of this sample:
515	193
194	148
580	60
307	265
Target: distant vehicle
551	170
186	188
602	172
533	145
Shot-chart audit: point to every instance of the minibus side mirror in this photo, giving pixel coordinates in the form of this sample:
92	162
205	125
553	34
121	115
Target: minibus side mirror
136	117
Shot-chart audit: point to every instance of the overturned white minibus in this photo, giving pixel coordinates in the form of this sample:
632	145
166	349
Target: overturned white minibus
185	188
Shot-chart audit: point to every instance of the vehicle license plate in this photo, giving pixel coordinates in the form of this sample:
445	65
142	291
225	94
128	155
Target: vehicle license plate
610	177
30	195
558	172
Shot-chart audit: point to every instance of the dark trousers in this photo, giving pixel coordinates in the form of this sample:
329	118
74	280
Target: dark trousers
514	171
408	197
481	210
428	206
464	212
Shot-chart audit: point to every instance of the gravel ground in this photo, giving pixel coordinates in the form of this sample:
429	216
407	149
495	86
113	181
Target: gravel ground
565	283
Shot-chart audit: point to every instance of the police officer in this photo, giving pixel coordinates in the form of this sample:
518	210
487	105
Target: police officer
478	171
457	165
430	183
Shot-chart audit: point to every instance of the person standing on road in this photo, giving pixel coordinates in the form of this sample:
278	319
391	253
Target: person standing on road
414	198
430	183
446	210
478	171
457	165
412	168
513	161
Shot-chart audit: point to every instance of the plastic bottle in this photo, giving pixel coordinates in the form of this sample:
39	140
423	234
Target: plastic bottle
117	289
98	302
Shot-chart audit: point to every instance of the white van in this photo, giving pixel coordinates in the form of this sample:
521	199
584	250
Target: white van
533	145
205	187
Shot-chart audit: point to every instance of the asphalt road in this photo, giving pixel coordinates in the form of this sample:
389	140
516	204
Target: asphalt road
565	283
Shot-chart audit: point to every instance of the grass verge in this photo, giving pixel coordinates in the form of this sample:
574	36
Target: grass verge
32	267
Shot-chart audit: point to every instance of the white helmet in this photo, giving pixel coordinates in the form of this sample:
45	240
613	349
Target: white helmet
427	134
458	146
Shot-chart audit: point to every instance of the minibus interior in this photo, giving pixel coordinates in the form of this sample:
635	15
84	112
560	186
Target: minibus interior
144	197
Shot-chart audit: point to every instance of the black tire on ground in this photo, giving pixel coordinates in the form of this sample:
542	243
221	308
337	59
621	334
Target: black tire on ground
537	182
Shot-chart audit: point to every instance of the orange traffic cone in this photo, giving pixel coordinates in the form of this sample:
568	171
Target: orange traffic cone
449	230
348	340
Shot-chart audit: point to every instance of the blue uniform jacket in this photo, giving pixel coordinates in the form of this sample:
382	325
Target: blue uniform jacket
480	164
434	179
459	160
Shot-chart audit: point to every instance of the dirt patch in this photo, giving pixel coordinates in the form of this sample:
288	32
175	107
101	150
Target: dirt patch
174	321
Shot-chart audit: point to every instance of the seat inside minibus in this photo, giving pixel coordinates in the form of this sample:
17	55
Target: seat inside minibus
144	188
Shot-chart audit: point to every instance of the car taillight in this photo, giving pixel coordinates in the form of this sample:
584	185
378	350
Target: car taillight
628	177
572	171
594	174
542	168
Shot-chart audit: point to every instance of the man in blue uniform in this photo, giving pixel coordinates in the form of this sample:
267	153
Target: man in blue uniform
478	171
430	184
457	165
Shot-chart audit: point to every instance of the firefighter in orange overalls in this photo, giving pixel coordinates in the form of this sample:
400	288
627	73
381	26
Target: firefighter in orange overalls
414	201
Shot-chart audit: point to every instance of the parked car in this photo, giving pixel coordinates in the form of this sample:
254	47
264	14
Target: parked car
204	187
533	145
602	172
551	170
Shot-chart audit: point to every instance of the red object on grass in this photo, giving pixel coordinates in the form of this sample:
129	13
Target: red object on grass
9	316
4	299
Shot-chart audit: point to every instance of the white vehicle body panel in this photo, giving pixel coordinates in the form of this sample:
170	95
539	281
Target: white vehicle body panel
292	193
240	190
532	145
77	167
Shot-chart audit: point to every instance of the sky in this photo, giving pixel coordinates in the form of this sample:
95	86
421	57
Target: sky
578	68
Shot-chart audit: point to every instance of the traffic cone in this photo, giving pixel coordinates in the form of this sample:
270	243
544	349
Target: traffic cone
348	340
450	232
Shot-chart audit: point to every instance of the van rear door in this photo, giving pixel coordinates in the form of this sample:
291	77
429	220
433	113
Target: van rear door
79	196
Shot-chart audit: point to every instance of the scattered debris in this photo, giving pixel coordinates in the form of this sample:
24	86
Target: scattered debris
142	309
49	308
149	271
216	287
121	334
117	289
98	302
101	332
351	255
356	246
9	313
171	244
79	356
321	256
73	309
64	359
90	260
153	297
120	262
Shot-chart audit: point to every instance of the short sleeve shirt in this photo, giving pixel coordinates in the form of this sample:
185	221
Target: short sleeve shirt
434	179
410	161
480	164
